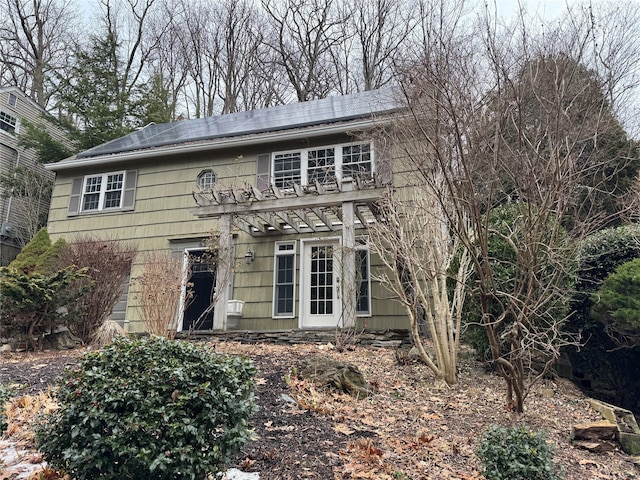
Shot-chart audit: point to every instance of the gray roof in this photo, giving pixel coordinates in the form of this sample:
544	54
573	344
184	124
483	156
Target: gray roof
283	117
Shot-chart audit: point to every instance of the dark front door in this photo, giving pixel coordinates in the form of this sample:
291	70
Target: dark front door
200	289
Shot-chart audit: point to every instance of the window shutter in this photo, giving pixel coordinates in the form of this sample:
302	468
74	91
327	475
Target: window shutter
129	200
262	171
76	196
383	167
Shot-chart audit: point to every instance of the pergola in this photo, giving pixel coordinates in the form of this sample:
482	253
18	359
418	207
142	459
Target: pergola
341	206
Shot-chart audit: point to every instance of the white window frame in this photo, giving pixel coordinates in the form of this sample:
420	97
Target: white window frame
12	100
207	179
304	160
102	191
362	244
281	253
11	120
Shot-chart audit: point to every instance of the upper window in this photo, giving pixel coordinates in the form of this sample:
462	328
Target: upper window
101	192
206	179
8	123
13	100
323	165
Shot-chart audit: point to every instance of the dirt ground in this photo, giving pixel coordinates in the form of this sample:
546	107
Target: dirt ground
407	429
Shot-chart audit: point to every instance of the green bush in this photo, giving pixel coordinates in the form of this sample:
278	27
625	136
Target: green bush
34	305
600	254
149	409
515	453
617	304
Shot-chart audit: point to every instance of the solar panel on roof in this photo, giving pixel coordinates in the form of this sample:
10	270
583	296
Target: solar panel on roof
282	117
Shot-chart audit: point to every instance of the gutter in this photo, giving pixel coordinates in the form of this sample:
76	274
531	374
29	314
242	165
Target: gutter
216	144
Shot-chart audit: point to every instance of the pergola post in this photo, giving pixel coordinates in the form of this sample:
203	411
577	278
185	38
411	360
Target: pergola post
223	273
349	296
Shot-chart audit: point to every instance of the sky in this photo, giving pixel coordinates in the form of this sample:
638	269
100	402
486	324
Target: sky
547	9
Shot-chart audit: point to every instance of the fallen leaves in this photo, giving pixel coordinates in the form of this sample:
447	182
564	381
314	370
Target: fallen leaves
21	413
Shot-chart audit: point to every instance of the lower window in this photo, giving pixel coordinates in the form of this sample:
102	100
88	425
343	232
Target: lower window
284	279
363	274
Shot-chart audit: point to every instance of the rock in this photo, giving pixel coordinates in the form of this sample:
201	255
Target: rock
600	446
547	392
601	430
63	340
340	375
630	443
6	348
625	421
286	398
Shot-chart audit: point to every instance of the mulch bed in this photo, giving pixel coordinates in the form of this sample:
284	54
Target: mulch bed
408	429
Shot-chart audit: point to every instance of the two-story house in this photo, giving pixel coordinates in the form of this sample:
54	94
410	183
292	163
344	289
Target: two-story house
290	189
20	214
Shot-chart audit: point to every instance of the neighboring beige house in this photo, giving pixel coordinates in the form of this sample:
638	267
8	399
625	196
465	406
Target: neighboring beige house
291	189
18	216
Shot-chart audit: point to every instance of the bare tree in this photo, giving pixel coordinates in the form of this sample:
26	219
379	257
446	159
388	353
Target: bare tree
168	60
159	287
417	243
303	32
127	22
379	29
197	32
613	51
34	40
514	120
29	192
240	44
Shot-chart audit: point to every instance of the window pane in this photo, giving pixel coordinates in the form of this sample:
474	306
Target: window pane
321	165
356	160
8	122
286	169
112	199
362	267
113	190
91	198
284	284
321	280
91	201
206	180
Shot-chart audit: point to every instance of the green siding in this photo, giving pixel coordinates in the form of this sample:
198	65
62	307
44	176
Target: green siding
163	215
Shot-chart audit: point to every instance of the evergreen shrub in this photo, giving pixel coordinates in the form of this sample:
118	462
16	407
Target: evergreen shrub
149	409
617	304
516	453
600	254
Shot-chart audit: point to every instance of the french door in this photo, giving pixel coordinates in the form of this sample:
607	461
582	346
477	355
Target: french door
321	305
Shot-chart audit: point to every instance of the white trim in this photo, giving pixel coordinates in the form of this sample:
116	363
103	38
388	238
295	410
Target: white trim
183	288
276	254
102	192
185	280
212	145
302	310
337	159
15	125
